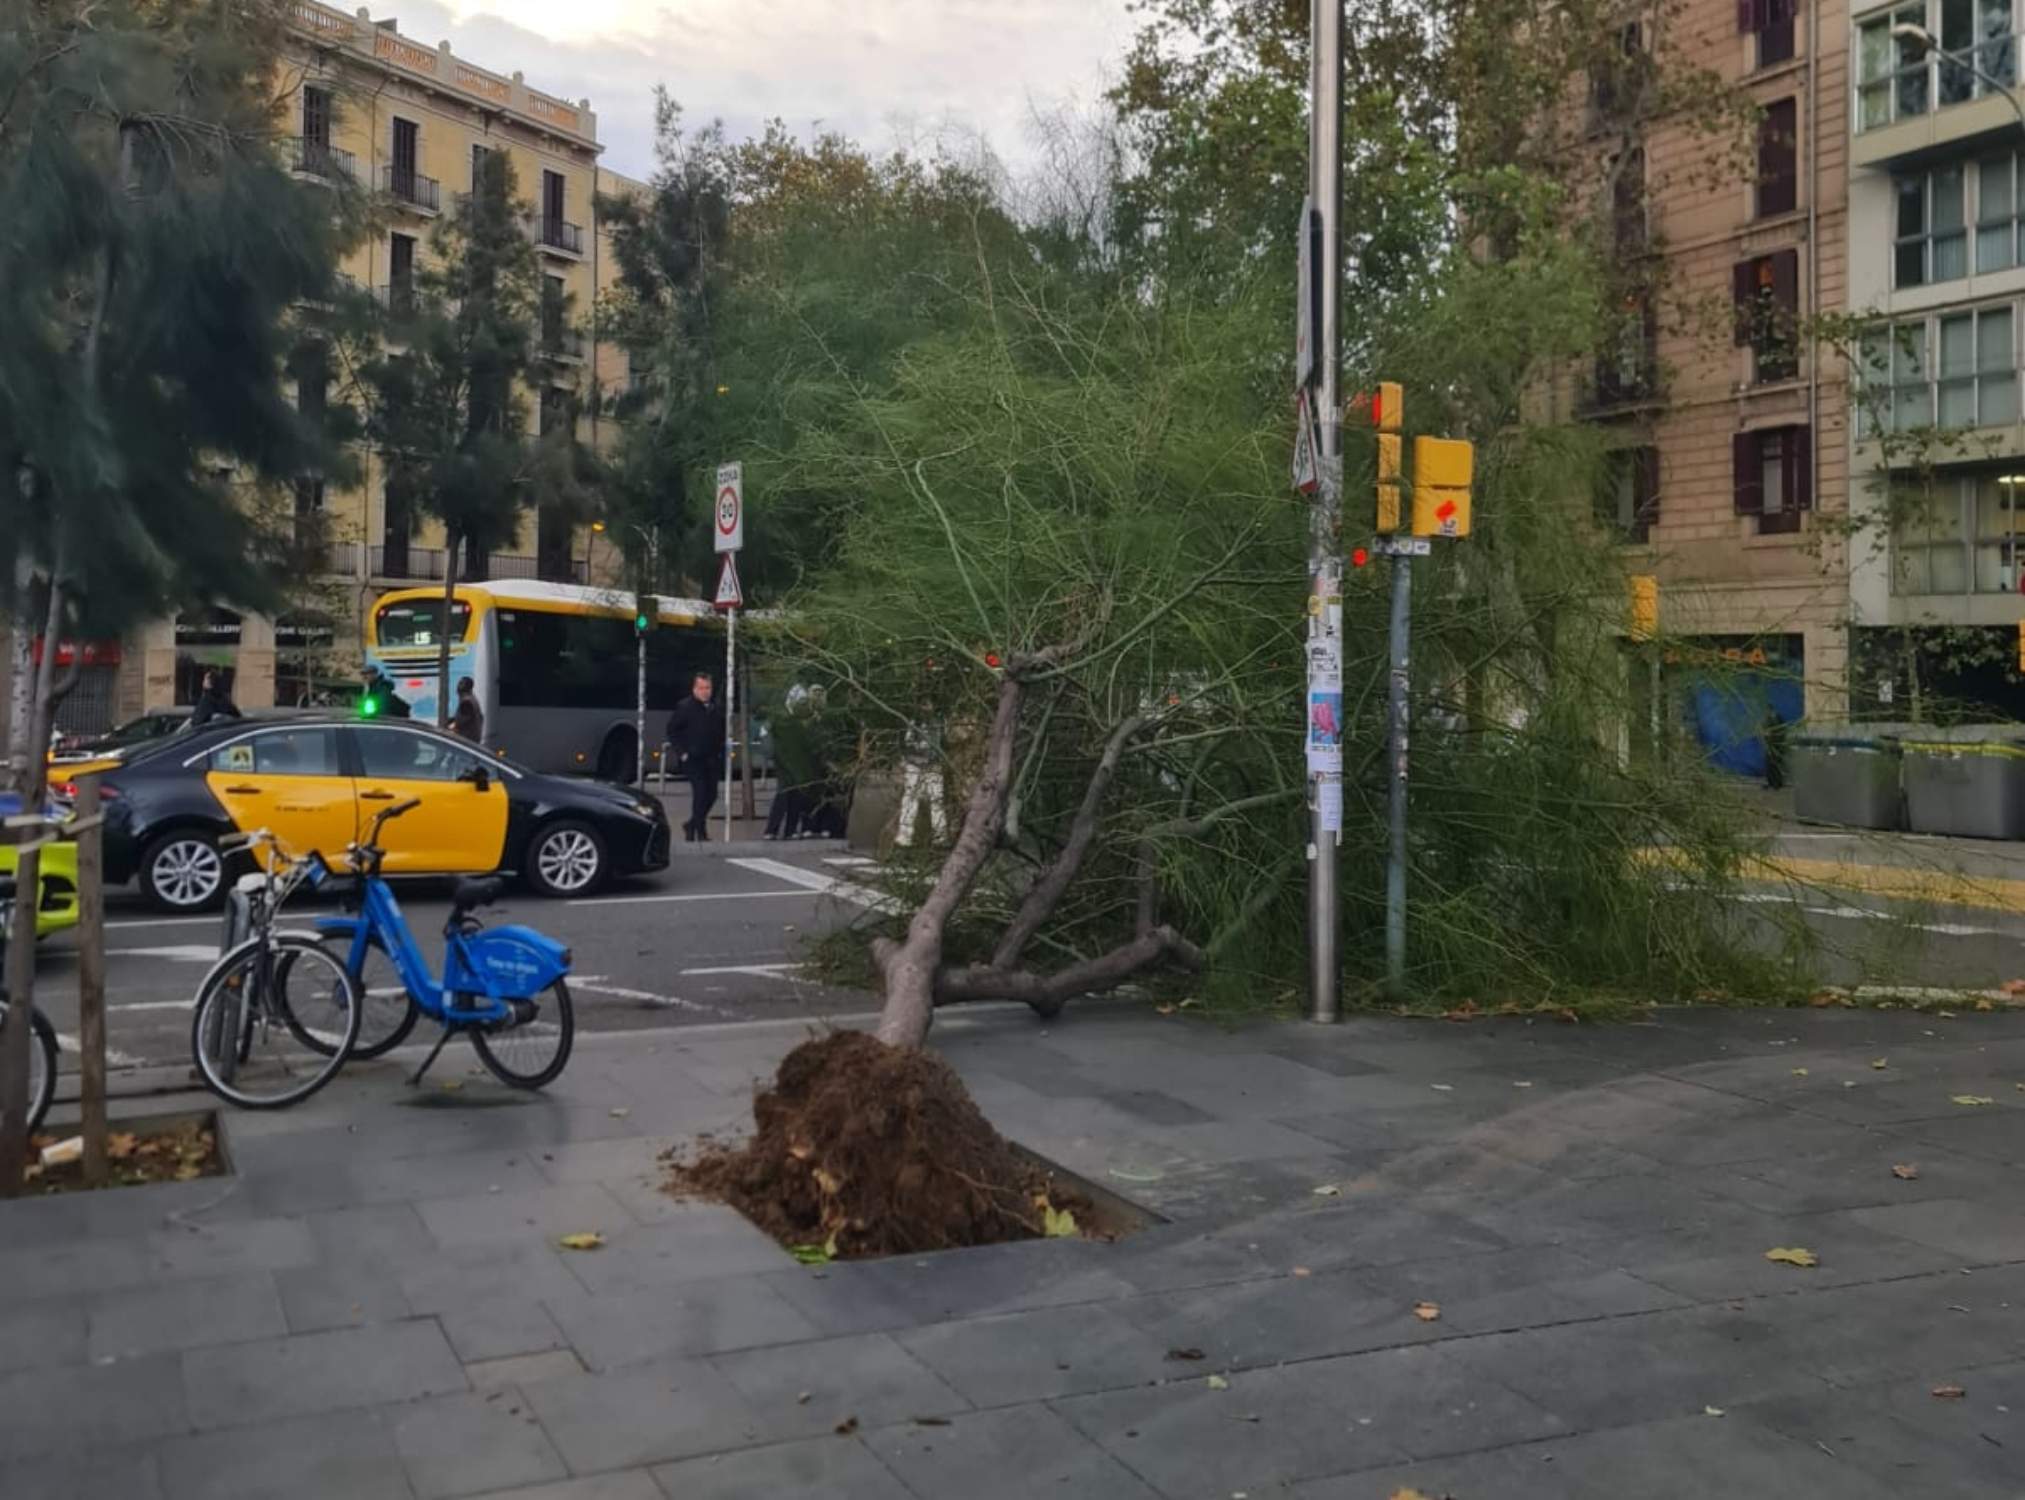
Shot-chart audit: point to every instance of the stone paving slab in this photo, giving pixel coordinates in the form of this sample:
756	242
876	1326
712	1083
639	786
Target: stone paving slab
376	1303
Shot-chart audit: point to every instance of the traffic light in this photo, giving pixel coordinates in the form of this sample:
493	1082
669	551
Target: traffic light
643	620
1644	622
369	705
1442	471
1389	444
1388	406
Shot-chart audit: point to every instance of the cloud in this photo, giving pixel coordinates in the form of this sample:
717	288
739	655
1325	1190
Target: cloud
878	70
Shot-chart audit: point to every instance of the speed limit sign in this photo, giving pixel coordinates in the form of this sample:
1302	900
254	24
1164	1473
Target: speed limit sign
729	529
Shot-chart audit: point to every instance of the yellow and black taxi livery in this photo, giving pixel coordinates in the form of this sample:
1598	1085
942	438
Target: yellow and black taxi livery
317	782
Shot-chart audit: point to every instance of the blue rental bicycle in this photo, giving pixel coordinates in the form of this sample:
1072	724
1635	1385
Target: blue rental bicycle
503	985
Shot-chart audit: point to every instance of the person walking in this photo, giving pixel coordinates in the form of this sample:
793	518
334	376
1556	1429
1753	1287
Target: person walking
696	737
469	720
379	692
213	702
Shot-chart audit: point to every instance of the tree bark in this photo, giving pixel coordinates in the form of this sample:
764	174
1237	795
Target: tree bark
910	966
1040	900
1048	993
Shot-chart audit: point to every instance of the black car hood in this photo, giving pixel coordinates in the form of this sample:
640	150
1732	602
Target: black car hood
569	789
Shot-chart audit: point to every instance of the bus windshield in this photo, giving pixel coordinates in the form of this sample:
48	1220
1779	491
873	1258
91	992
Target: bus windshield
419	623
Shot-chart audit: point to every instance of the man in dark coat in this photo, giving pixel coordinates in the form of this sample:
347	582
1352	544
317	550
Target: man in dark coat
469	720
696	740
213	702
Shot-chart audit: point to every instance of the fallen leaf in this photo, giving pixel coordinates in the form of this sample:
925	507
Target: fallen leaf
1218	1383
621	1112
1949	1392
1904	1171
1301	1271
1945	1015
1528	1083
1410	1494
1972	1099
1712	1411
1792	1256
1427	1312
1880	1062
1985	1005
1446	1088
1328	1190
120	1144
589	1240
450	1085
1190	1353
811	1255
1799	1072
846	1427
1058	1223
801	1398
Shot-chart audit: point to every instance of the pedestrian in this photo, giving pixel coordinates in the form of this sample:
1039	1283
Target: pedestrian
921	779
380	698
470	718
213	702
696	738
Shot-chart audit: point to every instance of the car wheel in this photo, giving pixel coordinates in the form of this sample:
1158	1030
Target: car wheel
566	858
183	871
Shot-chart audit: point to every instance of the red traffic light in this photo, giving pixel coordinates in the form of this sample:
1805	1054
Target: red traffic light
1359	557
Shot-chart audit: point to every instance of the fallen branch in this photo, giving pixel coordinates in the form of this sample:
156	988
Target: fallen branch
1048	993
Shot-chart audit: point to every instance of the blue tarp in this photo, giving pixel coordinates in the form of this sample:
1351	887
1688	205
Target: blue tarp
1727	714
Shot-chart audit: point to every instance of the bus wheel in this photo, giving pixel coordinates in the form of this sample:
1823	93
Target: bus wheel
615	757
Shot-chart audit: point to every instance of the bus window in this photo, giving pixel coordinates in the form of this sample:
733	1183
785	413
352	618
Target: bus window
418	623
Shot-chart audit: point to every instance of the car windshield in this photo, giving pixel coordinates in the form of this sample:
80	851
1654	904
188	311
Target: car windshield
147	727
419	623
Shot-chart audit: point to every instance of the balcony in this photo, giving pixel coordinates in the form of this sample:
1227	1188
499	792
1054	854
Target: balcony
321	161
406	564
398	298
1908	107
557	236
407	186
563	346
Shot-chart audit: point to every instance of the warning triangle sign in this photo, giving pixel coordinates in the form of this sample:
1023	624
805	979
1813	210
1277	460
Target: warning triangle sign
728	595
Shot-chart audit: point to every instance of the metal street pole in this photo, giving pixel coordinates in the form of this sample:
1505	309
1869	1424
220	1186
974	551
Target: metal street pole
642	602
1398	718
730	705
1325	188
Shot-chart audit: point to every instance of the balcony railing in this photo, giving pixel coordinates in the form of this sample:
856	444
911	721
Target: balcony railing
425	565
406	185
556	234
320	159
562	344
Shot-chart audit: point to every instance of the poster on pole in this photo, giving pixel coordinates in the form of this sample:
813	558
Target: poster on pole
728	529
1325	706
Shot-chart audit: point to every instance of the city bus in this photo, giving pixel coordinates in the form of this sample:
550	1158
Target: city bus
554	665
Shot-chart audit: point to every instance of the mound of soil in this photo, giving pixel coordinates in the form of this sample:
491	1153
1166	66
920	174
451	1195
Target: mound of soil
862	1149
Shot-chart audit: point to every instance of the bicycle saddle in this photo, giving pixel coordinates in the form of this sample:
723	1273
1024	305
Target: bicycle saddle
472	894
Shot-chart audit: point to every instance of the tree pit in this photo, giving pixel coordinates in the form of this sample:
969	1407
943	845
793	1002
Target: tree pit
862	1150
164	1148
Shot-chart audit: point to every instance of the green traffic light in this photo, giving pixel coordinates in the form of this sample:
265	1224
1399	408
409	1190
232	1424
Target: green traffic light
368	707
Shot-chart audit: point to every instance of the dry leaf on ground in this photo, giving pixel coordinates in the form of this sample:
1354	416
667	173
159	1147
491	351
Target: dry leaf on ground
1799	1072
586	1241
1972	1099
1712	1411
1427	1312
1880	1062
1328	1190
1904	1171
1302	1271
1058	1223
1949	1392
1218	1383
846	1427
1792	1255
1411	1494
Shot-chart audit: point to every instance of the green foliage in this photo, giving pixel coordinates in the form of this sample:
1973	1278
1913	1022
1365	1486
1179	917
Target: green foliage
155	254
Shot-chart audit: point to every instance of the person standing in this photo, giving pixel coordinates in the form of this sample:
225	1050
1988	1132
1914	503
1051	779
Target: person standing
469	720
696	736
213	702
921	780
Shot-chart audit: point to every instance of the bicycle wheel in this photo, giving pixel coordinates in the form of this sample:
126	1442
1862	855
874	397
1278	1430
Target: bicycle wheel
252	1048
529	1050
387	1012
41	1063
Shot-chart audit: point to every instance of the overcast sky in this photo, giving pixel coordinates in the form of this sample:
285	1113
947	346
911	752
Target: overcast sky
884	71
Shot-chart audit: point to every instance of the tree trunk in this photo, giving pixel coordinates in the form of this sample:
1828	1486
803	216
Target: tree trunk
910	967
443	643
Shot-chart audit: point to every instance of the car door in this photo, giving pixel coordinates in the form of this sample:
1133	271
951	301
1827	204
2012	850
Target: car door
291	781
459	829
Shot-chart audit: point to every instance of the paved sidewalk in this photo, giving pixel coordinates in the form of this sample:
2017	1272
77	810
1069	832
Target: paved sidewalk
376	1304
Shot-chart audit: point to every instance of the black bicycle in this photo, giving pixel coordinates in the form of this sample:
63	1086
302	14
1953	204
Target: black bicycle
41	1035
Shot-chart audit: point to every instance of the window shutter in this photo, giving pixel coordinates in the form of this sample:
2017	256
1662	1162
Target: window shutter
1747	477
1777	12
1645	488
1743	293
1747	15
1796	474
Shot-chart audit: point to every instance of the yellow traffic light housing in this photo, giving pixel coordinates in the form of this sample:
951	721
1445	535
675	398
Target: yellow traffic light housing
1644	622
1388	406
1389	445
1443	469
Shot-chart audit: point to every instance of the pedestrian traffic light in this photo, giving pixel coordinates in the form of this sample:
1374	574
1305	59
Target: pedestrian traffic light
1382	407
369	706
1442	471
643	620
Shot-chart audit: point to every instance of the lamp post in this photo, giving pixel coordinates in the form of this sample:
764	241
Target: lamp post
643	617
1923	39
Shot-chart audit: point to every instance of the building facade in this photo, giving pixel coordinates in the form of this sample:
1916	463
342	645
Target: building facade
1728	411
368	107
1937	262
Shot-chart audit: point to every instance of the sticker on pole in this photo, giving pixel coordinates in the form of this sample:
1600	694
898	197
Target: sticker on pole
729	527
728	595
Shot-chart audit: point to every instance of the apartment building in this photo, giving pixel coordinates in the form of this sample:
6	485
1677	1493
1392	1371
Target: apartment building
1937	254
1731	419
367	105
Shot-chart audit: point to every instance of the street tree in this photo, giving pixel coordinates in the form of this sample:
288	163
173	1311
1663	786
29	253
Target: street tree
156	254
465	345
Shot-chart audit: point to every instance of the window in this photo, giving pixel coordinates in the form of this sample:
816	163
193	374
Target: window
1978	377
1628	503
1767	301
1930	243
1891	72
552	187
1628	368
281	752
1772	473
1778	159
1996	213
1979	30
407	138
554	299
1959	370
404	755
418	624
554	411
401	273
1960	534
1627	205
1613	83
1772	23
478	156
316	116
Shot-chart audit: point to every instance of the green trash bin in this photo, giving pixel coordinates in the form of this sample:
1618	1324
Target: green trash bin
1969	781
1848	775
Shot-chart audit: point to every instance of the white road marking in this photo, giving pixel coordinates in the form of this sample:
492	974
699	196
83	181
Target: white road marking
642	997
1866	914
848	861
812	880
761	971
164	922
698	896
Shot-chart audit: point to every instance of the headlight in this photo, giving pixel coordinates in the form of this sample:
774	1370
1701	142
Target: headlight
646	809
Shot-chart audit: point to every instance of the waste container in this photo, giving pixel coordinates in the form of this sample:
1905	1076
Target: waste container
1848	775
1968	781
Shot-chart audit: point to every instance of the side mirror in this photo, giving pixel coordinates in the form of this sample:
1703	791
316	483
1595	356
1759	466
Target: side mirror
479	777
